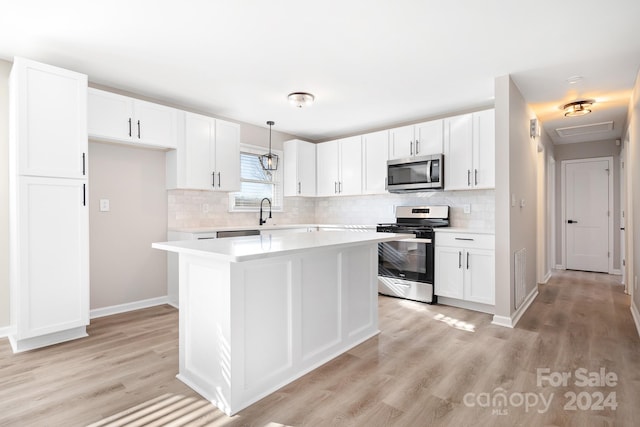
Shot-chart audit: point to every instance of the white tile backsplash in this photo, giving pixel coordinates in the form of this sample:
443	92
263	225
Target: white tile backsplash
186	209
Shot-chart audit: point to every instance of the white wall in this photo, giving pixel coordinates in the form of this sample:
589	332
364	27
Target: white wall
589	150
633	193
516	175
5	68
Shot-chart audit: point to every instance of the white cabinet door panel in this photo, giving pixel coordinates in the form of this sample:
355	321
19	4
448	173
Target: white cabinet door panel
199	150
110	116
155	124
306	166
429	137
53	293
458	152
49	107
479	281
227	143
350	166
328	166
375	147
484	143
448	272
401	142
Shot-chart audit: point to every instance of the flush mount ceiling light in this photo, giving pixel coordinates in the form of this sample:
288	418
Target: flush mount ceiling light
269	162
578	108
300	99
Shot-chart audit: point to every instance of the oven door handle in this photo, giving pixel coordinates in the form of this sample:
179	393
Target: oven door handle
417	240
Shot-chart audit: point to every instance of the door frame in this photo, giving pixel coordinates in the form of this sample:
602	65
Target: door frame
563	202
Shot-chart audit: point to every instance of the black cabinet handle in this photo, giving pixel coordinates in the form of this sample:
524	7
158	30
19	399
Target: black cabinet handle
572	222
464	238
417	146
84	194
129	127
213	178
468	177
138	129
84	170
467	260
475	173
219	180
459	259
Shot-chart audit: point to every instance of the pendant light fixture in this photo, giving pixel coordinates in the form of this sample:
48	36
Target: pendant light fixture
269	162
578	108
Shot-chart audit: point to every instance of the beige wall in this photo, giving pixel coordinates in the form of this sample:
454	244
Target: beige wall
516	175
5	68
123	266
633	193
589	150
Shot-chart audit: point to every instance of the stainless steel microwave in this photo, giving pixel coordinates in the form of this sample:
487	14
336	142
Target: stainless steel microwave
422	173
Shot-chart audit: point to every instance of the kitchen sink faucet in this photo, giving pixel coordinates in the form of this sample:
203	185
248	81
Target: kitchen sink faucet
264	221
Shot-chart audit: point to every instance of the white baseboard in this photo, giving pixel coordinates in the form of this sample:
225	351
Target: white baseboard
636	316
130	306
616	271
467	305
503	321
546	278
5	331
510	322
560	267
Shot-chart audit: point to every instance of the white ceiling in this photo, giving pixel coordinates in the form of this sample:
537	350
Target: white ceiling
370	64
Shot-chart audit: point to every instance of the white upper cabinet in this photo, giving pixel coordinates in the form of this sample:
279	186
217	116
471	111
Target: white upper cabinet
227	156
328	167
49	120
429	137
416	140
375	153
470	151
339	165
299	168
119	118
484	149
208	155
350	166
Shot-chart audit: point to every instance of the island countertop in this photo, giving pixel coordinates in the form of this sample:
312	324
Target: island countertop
249	248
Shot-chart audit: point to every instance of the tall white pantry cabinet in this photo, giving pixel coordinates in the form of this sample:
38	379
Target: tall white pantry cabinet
49	217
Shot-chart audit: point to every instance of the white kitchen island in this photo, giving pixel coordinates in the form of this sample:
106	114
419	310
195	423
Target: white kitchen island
258	312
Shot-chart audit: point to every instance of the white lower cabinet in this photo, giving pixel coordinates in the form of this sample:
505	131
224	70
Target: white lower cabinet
50	281
465	267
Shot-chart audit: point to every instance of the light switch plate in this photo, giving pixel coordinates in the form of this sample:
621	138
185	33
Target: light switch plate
513	200
104	205
467	208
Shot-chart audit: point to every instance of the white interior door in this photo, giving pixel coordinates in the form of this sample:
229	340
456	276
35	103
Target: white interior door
587	215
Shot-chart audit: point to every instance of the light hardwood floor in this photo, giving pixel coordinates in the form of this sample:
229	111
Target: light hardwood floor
417	372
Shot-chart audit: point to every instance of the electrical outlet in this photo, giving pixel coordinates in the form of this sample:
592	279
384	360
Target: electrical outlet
467	208
205	207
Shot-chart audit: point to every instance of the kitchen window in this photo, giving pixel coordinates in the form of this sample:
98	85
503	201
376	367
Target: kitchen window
256	183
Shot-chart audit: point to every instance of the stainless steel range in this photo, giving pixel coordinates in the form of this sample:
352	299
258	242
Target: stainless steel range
405	267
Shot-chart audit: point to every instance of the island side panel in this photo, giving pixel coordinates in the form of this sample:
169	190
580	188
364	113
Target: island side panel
320	306
262	297
359	270
205	333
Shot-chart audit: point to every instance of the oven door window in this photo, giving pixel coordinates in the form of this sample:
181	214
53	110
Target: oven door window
406	260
